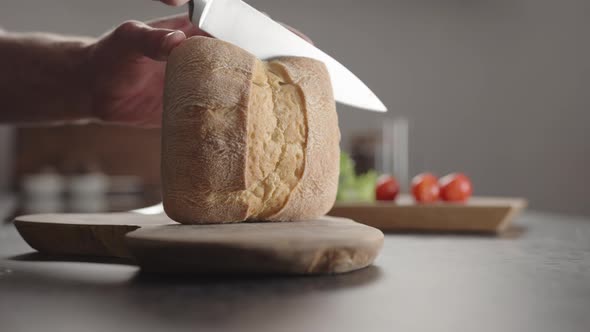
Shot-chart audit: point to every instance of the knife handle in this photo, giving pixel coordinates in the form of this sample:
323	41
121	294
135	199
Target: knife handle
191	10
198	7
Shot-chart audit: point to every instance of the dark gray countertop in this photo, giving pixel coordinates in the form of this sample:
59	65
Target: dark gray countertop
534	278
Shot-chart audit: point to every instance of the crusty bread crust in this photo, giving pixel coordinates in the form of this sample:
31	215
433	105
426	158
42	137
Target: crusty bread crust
218	102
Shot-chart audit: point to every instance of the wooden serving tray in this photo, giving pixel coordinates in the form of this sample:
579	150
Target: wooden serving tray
478	215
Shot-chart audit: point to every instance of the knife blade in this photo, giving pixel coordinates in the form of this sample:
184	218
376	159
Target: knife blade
238	23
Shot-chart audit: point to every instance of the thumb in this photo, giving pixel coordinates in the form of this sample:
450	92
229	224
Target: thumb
138	38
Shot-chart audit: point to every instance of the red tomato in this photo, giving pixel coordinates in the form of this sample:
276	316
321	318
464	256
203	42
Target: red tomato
425	188
387	188
455	187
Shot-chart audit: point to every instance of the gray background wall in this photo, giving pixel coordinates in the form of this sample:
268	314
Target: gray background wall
499	89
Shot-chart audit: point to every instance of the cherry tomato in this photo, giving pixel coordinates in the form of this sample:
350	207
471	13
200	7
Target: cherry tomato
455	187
387	188
425	188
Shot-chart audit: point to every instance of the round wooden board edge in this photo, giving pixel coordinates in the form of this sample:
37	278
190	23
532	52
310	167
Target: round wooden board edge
136	245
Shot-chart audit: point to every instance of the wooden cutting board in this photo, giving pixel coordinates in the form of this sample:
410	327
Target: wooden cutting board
325	245
478	215
95	234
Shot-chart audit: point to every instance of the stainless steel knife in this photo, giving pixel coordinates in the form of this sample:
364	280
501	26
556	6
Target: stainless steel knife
240	24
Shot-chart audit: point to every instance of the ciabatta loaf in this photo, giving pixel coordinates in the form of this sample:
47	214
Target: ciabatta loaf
245	139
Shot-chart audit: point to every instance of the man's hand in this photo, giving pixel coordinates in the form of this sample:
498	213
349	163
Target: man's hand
119	78
126	69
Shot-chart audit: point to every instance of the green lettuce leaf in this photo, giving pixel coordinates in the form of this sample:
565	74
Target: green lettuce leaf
352	187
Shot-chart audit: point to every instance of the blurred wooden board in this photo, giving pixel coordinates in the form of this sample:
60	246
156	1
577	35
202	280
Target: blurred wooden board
97	234
326	245
478	215
71	148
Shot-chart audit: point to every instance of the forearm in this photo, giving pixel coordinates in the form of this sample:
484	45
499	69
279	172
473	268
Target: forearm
43	78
